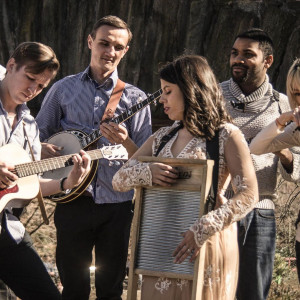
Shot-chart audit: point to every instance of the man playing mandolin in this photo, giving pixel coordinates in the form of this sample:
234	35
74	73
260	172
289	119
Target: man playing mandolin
100	217
29	70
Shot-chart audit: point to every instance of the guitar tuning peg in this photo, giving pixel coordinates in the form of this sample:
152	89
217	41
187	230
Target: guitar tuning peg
117	163
139	99
155	102
110	164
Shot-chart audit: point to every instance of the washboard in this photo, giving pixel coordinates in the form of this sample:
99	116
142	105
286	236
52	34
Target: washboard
160	216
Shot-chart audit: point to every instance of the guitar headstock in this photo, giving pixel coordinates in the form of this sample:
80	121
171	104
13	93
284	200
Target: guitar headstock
115	152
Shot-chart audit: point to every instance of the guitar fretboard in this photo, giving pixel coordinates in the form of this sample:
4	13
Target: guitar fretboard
96	134
48	164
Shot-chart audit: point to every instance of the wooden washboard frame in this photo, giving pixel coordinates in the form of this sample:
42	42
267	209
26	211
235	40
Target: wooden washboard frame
195	176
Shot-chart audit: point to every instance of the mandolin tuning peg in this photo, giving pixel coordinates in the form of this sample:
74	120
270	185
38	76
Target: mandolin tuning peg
111	163
139	99
117	163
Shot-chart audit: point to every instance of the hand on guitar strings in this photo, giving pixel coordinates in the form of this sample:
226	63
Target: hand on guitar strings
50	150
162	174
115	133
7	178
80	169
187	247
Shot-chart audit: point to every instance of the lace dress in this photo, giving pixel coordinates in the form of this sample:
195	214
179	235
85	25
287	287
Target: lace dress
217	228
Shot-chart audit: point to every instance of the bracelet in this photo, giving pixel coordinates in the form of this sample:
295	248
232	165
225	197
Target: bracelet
61	184
278	123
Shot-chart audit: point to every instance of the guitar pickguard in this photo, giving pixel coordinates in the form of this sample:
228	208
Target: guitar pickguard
8	190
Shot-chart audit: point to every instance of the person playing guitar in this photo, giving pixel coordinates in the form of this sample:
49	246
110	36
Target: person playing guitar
28	71
100	217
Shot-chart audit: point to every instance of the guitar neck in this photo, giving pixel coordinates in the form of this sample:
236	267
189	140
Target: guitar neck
96	134
49	164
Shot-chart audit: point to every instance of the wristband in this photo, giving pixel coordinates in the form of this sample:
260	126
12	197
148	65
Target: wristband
61	184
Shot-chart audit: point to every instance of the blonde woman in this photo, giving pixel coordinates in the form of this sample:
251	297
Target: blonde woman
284	133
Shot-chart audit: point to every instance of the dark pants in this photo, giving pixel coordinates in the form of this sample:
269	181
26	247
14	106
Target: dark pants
297	246
5	292
81	225
22	270
257	235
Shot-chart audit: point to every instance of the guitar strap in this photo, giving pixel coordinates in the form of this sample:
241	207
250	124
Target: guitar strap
39	195
212	152
166	138
113	101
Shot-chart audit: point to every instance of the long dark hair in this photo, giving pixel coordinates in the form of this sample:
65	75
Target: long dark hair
204	110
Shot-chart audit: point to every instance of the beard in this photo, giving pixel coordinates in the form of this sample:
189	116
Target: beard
242	76
248	75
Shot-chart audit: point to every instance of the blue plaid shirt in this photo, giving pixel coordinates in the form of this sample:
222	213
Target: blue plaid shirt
79	102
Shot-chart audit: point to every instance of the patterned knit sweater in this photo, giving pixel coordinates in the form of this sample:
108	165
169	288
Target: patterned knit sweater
251	114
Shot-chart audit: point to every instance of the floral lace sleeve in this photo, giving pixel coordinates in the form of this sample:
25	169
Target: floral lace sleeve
135	173
237	158
132	174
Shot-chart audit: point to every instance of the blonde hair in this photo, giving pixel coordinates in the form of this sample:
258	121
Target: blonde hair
293	82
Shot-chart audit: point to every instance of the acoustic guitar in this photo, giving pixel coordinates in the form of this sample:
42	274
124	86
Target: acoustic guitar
26	187
74	140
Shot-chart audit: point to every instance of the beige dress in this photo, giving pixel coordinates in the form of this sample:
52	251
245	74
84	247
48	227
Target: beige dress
217	228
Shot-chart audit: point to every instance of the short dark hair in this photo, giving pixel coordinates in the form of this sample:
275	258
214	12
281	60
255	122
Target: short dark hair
36	56
262	37
111	21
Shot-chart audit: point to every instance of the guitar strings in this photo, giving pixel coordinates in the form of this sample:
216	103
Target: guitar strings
96	134
48	164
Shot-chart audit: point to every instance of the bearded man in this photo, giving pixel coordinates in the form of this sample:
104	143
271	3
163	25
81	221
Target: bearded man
253	104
